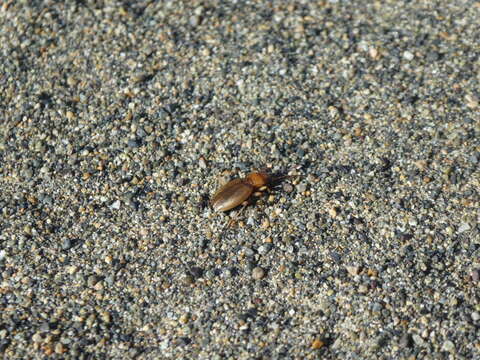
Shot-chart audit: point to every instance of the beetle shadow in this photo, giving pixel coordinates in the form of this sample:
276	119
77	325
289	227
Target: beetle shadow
204	201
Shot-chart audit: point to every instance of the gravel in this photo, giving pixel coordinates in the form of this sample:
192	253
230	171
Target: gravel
119	119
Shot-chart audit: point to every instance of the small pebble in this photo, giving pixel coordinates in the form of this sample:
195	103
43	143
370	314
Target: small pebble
115	205
463	227
287	187
92	280
60	348
248	252
302	187
67	244
417	339
37	338
264	249
333	212
407	55
362	289
184	318
202	163
317	344
72	269
194	20
475	275
105	316
353	270
448	346
258	273
110	280
471	101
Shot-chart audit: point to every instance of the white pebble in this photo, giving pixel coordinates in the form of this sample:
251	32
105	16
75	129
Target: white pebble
407	55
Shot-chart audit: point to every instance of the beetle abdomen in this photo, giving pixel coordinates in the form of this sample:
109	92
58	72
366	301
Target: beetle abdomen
231	195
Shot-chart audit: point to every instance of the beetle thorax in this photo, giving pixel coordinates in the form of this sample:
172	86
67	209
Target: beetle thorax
257	179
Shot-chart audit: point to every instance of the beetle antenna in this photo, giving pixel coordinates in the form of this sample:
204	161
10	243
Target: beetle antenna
279	178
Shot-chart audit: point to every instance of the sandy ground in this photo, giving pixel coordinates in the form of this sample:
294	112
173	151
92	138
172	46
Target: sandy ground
119	120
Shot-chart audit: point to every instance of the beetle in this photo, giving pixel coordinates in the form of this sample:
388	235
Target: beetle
237	191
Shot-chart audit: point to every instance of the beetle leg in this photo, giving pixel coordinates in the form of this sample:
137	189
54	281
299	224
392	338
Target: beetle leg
230	222
262	190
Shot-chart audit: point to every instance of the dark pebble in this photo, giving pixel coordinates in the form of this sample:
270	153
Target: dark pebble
67	244
184	341
133	143
196	272
405	341
4	344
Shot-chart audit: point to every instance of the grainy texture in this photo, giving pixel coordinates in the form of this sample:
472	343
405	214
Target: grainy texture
117	119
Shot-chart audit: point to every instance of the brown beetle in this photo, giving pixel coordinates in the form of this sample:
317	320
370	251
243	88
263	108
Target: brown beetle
237	191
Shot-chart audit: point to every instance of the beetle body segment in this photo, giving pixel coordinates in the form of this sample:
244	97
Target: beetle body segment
232	194
258	179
